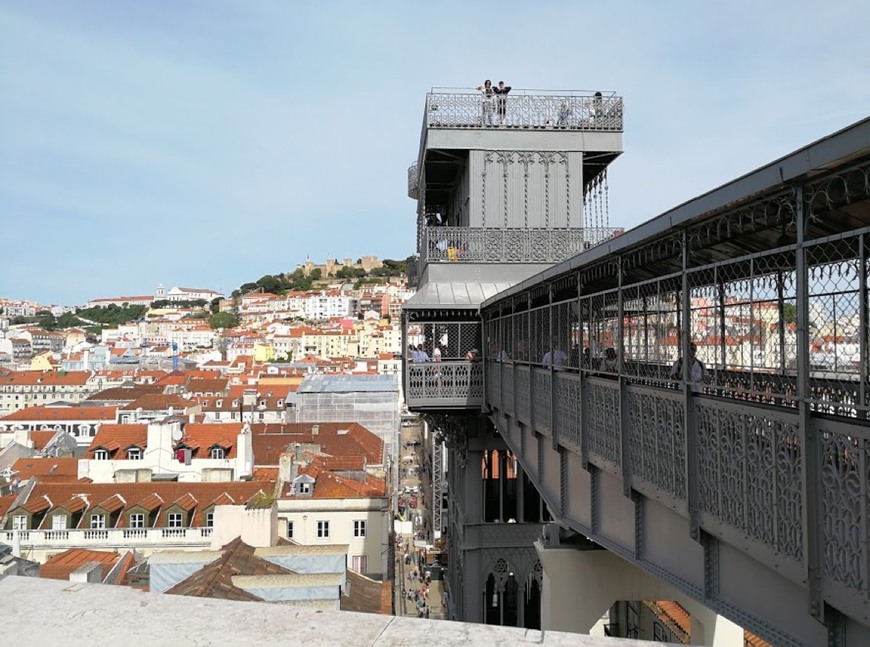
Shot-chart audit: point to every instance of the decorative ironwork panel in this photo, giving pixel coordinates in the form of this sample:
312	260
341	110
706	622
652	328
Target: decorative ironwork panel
601	418
524	109
507	388
542	399
520	245
750	472
524	412
845	504
447	383
658	435
567	410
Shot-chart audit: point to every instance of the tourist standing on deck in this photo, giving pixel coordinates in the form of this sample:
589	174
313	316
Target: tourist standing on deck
488	101
501	93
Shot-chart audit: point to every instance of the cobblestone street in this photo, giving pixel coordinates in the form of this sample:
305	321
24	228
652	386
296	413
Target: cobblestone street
414	597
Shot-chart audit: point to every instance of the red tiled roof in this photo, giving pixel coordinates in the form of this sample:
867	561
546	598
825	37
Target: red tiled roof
125	393
41	438
158	402
51	414
115	437
6	503
59	567
148	495
55	468
215	580
46	378
201	437
339	439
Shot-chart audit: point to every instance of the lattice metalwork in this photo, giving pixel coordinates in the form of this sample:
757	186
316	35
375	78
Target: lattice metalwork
750	472
523	412
460	108
602	418
447	383
438	485
568	407
542	397
453	340
451	244
657	431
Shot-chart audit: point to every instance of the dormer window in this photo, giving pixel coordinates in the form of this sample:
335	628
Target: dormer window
218	452
219	403
101	454
134	454
305	488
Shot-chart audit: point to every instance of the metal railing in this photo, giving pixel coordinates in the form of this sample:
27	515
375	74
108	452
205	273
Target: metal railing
489	245
464	108
109	537
437	385
766	444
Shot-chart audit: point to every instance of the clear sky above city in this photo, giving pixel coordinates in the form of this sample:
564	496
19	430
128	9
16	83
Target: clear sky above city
207	143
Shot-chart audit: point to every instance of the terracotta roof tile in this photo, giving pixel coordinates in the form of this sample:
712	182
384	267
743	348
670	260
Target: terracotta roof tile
201	437
215	579
125	393
52	467
59	567
61	414
340	439
119	437
150	495
159	402
6	503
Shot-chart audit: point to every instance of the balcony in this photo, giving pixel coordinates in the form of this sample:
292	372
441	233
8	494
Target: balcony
539	109
110	538
445	385
486	245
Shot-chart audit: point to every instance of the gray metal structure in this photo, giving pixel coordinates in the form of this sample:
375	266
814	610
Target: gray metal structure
501	195
744	483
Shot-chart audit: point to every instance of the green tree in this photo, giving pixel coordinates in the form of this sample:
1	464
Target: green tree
316	274
789	312
223	320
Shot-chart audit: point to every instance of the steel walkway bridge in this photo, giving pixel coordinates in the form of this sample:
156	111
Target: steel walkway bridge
744	481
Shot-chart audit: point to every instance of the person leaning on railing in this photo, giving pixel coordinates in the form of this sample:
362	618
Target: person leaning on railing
698	374
488	102
501	93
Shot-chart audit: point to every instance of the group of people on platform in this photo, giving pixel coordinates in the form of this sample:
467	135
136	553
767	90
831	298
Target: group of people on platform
494	100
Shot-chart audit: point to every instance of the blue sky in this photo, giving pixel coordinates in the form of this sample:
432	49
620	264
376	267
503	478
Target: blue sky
207	143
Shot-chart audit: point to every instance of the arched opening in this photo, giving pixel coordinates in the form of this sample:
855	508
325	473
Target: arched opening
532	604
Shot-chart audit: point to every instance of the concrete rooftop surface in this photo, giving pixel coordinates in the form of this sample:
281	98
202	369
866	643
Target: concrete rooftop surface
58	612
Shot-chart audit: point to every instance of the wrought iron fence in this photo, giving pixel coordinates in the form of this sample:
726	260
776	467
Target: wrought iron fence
593	111
765	427
529	245
445	384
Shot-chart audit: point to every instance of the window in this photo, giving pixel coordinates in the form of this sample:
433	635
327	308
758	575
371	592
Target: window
359	528
323	530
19	522
134	454
209	519
289	529
175	519
58	522
137	520
98	521
304	488
359	563
218	452
101	454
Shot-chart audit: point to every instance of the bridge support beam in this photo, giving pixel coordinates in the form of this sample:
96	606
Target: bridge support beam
580	585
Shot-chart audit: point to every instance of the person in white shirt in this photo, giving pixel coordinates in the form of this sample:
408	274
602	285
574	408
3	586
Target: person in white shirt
697	371
436	354
557	358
